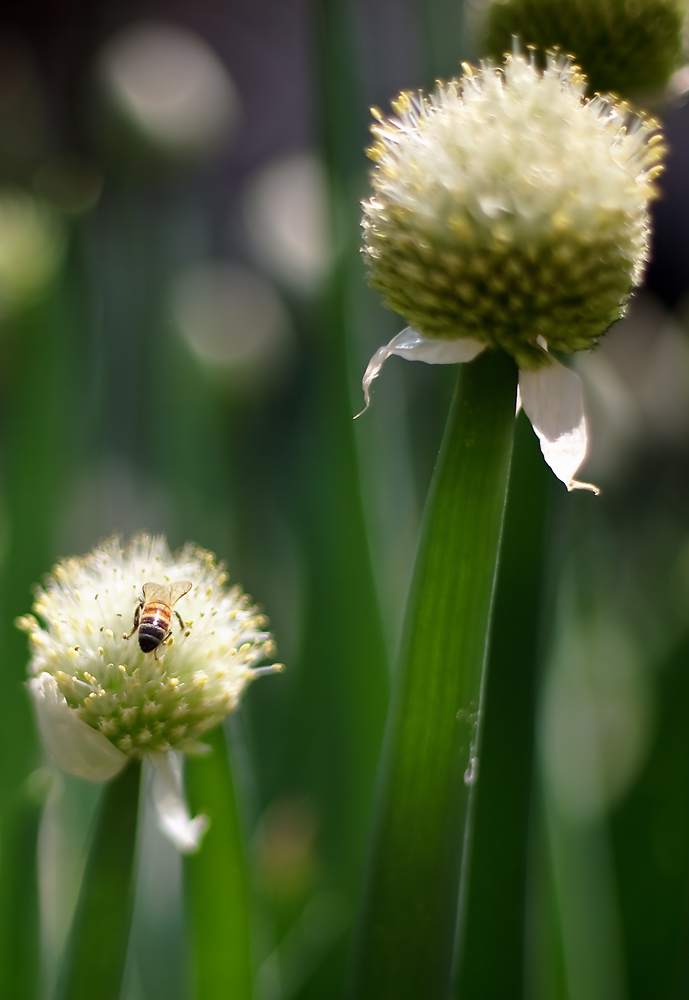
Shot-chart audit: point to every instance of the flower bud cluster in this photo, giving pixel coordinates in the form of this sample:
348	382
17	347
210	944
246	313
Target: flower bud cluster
510	210
144	702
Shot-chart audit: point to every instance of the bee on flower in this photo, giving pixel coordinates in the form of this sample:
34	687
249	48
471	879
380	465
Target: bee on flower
153	614
101	699
510	212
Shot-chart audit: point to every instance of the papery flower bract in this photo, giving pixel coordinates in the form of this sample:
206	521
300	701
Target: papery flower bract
100	700
511	212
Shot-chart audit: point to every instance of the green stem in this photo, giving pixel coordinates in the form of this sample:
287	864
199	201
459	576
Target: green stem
97	950
406	937
499	861
217	881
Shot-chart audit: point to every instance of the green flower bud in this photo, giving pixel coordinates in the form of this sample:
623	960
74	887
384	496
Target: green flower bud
510	210
627	47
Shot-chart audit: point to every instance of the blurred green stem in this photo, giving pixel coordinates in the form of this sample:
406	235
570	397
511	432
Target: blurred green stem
97	949
406	937
19	944
442	22
40	373
217	882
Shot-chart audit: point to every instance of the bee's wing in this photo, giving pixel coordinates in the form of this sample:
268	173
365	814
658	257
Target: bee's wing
157	592
178	590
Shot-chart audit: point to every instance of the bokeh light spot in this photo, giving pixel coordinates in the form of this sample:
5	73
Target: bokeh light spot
286	214
171	86
231	317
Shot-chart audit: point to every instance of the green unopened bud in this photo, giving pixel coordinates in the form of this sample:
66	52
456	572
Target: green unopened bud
509	210
627	47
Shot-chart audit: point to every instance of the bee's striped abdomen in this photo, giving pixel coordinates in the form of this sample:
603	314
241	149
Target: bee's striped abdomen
154	625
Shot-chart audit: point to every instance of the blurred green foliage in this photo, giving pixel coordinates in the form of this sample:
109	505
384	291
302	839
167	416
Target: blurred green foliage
118	411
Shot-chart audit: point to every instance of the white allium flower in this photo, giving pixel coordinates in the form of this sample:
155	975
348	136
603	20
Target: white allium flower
511	212
101	700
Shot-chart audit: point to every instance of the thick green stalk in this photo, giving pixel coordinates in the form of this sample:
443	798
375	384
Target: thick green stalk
407	932
495	915
97	949
217	882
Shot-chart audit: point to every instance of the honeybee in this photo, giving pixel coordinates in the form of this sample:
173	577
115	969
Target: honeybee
153	613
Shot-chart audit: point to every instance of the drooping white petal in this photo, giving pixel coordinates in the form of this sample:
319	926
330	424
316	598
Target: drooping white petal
75	746
411	345
553	402
167	790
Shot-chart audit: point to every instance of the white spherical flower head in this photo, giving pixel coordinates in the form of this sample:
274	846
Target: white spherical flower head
510	212
507	207
100	699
